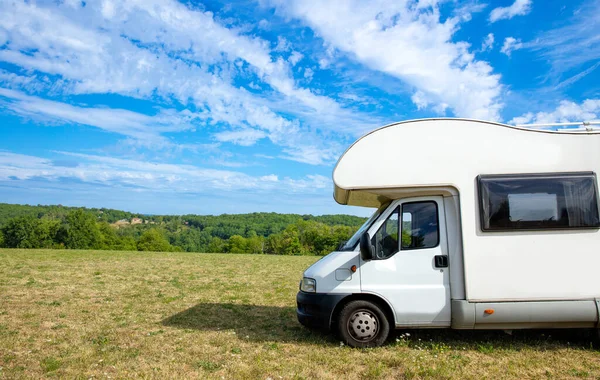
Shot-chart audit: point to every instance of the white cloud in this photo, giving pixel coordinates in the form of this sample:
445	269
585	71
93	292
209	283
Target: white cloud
116	172
264	24
266	156
244	137
488	42
466	10
324	63
574	44
161	48
518	8
420	100
308	74
254	86
567	111
295	57
569	81
313	155
31	83
147	129
511	44
355	98
270	178
282	44
408	42
317	180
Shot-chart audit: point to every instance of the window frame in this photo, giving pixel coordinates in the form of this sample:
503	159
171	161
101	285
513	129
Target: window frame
532	176
437	214
397	206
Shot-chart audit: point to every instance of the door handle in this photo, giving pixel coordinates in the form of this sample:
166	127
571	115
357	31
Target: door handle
441	261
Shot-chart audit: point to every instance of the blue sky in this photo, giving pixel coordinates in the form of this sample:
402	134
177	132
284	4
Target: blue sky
169	107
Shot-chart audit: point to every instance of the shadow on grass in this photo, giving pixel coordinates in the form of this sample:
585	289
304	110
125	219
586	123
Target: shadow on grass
252	322
279	324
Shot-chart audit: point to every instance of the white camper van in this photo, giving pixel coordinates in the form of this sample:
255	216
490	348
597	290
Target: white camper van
478	225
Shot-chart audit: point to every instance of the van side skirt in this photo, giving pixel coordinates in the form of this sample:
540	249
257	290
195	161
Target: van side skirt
525	314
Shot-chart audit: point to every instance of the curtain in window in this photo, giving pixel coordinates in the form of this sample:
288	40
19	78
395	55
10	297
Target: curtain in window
580	199
575	203
485	206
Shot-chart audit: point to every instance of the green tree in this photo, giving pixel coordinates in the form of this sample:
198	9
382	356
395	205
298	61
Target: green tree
127	243
191	240
153	240
216	245
80	231
236	244
341	234
29	232
286	242
315	237
406	239
110	239
19	232
254	233
255	243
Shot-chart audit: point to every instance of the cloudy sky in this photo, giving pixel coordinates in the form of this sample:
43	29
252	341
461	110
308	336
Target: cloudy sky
160	106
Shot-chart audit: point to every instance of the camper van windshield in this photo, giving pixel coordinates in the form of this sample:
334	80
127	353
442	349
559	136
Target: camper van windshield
351	244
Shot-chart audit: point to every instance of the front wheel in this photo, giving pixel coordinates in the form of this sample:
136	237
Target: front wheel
363	324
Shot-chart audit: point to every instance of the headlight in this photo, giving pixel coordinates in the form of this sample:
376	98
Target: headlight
308	285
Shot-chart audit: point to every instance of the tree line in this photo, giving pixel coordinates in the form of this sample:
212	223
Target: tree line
58	227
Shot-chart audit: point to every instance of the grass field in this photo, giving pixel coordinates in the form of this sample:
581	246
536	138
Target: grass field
89	314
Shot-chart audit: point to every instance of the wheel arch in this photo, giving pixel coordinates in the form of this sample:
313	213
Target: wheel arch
380	301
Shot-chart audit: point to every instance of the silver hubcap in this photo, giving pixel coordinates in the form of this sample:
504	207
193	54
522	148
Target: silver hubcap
363	325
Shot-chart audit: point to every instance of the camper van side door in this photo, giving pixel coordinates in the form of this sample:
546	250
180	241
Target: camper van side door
410	267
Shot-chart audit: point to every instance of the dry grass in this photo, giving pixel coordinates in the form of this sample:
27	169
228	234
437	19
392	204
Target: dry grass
164	315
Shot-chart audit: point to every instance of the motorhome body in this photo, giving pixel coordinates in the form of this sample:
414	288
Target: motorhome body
479	225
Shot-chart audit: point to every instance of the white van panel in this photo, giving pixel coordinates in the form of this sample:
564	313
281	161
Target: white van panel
499	266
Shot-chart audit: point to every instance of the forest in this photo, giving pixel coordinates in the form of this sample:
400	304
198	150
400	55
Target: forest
60	227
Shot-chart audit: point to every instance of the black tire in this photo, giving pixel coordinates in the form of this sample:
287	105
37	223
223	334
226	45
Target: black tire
363	324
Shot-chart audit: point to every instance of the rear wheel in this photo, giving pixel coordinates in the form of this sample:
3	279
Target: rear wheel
363	324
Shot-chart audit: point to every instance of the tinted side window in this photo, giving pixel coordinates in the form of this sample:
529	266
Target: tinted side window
538	202
420	227
386	239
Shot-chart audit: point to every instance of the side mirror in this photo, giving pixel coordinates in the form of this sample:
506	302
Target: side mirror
366	248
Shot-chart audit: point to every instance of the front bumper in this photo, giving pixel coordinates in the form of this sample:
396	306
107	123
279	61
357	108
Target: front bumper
315	309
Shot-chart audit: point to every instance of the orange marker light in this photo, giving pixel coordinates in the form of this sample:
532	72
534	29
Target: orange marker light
489	311
353	268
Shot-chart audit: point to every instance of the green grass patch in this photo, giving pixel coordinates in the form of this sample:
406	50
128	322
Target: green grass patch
207	365
50	364
190	315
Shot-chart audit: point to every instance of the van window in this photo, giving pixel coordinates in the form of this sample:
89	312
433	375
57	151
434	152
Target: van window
420	227
386	239
528	202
